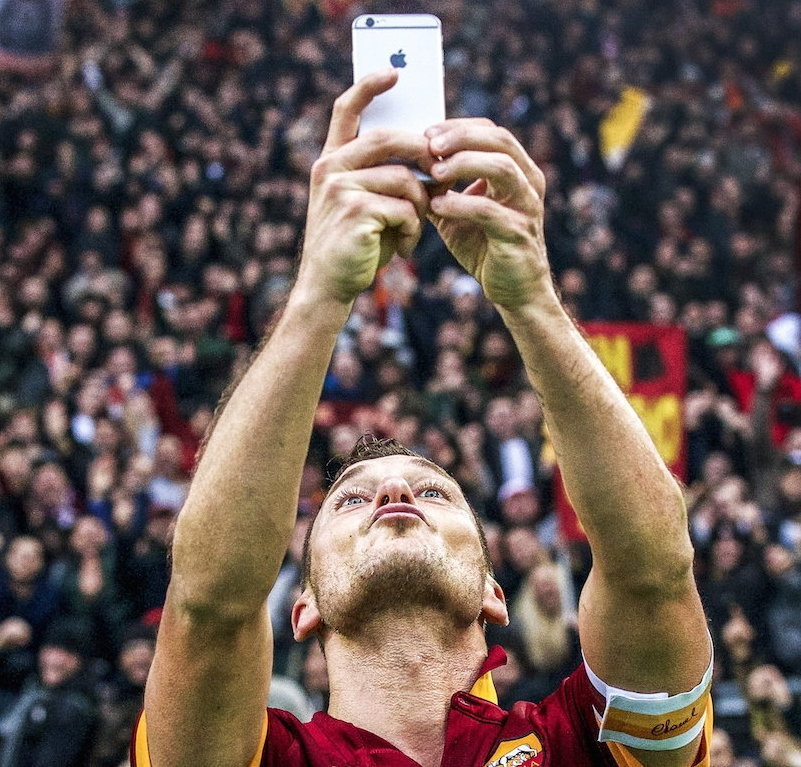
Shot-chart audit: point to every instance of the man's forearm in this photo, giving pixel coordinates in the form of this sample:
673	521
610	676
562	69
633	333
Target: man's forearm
626	499
235	526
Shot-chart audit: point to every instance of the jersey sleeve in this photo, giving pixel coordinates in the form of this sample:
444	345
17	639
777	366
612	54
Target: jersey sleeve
587	705
140	756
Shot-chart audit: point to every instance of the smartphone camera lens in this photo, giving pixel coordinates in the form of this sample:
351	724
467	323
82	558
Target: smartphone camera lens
370	22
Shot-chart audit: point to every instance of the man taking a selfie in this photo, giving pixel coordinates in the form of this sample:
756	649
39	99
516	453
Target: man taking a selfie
398	586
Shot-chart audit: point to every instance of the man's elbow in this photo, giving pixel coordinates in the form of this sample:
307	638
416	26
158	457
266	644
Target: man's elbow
665	574
205	609
210	586
658	563
671	551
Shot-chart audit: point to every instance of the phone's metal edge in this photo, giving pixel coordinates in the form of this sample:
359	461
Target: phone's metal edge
376	29
430	21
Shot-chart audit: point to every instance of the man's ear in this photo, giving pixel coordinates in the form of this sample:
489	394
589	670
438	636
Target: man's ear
493	603
306	619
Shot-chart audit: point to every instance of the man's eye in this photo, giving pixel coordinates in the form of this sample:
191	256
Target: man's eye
431	492
353	500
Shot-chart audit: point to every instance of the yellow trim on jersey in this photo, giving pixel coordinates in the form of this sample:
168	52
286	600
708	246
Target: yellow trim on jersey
142	755
256	761
484	688
140	752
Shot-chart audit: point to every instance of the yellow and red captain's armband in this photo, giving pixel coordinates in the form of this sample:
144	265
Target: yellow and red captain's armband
655	721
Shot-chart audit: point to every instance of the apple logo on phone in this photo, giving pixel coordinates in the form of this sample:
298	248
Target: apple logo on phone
398	60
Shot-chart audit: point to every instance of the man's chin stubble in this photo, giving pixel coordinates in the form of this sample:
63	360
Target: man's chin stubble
405	582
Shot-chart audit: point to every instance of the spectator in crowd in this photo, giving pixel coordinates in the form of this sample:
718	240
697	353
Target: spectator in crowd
29	602
53	719
547	627
722	751
121	697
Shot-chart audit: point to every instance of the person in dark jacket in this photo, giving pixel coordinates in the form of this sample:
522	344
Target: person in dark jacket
53	720
28	602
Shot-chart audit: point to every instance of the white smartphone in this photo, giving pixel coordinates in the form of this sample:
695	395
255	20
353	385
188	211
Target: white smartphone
412	43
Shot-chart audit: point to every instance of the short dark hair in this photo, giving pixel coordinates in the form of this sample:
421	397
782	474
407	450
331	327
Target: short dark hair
368	447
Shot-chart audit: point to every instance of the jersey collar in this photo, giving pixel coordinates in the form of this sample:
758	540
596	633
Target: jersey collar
484	687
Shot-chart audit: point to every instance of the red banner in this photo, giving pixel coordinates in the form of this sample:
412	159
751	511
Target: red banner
649	363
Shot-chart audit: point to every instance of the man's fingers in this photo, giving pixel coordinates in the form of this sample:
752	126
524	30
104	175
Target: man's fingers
495	219
350	105
378	147
478	187
344	151
480	135
499	169
460	122
389	181
393	213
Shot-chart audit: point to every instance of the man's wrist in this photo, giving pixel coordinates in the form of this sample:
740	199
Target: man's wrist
316	309
542	310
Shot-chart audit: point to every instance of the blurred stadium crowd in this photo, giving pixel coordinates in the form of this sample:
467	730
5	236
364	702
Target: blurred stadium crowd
152	197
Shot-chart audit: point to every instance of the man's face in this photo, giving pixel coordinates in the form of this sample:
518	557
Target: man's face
395	535
520	508
500	418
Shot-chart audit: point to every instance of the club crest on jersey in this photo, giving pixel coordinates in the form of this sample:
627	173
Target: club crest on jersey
516	753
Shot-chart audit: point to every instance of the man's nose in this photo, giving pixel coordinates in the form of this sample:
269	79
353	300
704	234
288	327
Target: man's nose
394	490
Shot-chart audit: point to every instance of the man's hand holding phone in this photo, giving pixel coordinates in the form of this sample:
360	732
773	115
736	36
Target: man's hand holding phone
361	210
368	202
494	227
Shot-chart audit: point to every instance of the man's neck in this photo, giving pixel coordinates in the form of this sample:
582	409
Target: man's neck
397	678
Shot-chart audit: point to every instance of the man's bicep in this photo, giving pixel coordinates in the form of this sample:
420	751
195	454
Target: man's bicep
207	690
647	642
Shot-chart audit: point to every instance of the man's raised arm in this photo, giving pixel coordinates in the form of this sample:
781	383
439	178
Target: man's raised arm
641	623
207	690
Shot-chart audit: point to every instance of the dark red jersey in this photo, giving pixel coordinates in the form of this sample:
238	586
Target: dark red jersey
561	731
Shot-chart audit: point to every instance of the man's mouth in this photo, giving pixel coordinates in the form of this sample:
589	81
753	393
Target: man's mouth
397	510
